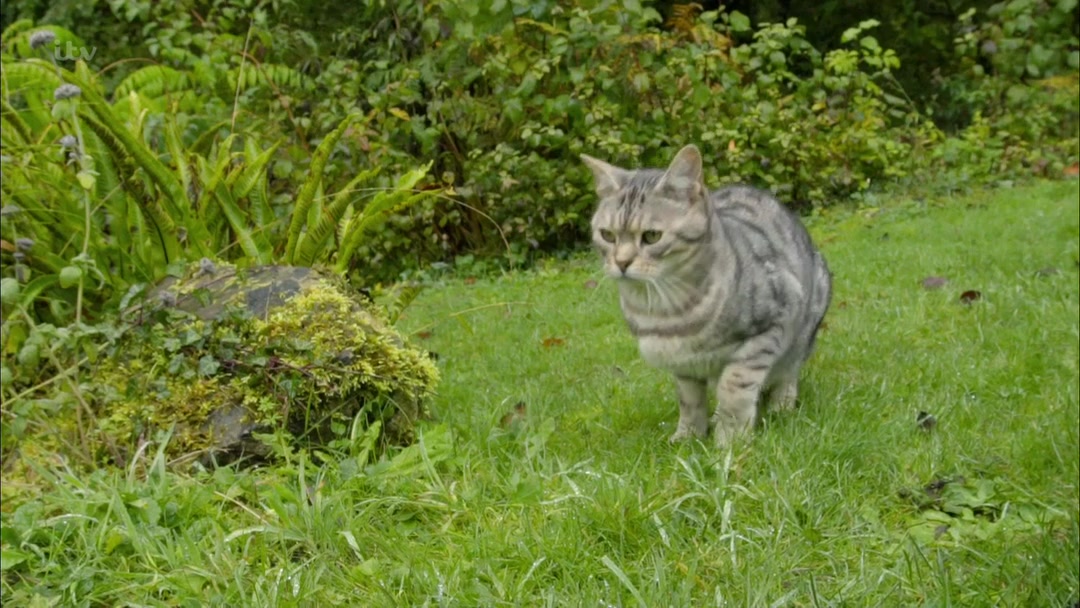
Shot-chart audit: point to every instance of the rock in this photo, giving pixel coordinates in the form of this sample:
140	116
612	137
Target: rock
224	354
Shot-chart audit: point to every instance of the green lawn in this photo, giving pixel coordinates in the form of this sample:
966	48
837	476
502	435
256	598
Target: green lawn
576	498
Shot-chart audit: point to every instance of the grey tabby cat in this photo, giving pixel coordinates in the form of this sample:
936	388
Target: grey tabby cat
723	289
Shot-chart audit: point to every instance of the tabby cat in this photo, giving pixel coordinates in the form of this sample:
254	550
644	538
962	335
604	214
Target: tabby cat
723	289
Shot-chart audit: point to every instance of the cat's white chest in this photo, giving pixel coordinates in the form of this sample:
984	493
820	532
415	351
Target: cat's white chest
683	356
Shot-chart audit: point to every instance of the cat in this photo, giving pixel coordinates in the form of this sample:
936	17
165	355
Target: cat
724	289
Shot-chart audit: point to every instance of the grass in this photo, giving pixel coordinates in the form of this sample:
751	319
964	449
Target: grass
575	498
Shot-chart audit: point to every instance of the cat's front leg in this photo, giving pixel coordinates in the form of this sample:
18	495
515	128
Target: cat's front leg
693	410
738	390
737	394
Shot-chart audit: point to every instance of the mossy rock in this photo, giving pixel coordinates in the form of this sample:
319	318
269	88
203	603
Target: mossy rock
221	355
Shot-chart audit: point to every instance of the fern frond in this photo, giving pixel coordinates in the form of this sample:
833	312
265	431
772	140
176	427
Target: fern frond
205	142
382	206
13	30
35	81
261	212
403	297
255	247
17	39
311	185
317	235
241	182
164	225
275	75
175	198
153	81
13	124
175	146
212	172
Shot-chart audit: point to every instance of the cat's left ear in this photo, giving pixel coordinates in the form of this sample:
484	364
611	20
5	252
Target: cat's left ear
609	178
684	175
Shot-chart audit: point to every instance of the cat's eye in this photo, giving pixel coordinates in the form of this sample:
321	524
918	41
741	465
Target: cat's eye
607	235
651	236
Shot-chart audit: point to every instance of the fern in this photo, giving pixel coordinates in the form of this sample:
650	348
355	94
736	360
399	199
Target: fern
124	143
16	38
258	195
163	223
317	236
13	125
176	150
15	29
213	170
242	182
267	74
153	81
381	207
256	248
403	297
311	185
35	81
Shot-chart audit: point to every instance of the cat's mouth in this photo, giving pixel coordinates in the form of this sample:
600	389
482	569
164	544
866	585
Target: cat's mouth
628	275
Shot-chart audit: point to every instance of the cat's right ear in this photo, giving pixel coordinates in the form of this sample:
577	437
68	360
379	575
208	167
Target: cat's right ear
609	178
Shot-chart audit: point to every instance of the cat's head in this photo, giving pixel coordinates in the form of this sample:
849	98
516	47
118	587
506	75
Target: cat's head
649	222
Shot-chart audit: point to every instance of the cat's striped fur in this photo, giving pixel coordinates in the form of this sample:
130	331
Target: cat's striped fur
723	289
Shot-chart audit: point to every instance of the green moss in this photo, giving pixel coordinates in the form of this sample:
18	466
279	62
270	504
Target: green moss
318	357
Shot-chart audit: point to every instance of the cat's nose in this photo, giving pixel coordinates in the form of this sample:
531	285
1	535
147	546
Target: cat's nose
623	265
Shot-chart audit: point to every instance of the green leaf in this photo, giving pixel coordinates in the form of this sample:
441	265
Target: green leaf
36	286
9	291
208	366
70	276
9	558
738	22
86	179
64	109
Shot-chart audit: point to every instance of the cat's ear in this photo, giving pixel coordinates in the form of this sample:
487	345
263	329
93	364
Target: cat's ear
684	175
609	178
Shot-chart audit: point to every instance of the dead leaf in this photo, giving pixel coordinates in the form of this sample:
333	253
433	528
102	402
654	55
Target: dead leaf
970	296
550	342
1072	170
470	280
515	415
731	146
6	246
930	283
590	284
423	335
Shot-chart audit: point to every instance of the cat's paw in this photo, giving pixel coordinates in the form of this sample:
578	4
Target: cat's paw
684	434
785	402
728	431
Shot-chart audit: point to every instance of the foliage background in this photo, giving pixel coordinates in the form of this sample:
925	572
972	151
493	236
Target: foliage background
819	101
